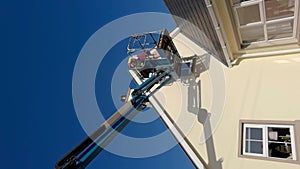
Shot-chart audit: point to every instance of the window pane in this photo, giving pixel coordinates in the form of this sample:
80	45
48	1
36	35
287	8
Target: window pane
277	9
248	14
252	34
256	147
280	150
280	29
256	133
279	134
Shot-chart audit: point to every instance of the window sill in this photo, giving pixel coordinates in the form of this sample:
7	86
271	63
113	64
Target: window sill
271	159
272	43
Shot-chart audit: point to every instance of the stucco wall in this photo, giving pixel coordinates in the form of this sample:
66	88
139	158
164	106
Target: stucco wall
266	88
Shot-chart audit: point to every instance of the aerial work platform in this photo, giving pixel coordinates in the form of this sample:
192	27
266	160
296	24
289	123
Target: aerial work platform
154	63
152	51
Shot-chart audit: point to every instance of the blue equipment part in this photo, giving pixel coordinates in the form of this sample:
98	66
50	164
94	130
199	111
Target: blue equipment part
88	149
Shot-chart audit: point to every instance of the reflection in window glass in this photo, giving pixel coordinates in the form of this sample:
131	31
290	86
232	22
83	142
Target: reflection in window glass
280	150
254	140
256	133
279	134
239	1
264	20
245	18
272	141
256	147
277	9
280	29
252	34
279	141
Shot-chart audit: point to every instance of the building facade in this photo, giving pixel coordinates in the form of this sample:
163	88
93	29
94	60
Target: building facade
255	46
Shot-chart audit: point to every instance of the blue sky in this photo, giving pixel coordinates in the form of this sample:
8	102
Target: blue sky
40	42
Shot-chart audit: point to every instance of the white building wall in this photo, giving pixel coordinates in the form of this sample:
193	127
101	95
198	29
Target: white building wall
266	88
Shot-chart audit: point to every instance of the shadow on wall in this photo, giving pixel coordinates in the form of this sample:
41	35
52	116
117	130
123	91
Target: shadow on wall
200	65
193	96
204	119
194	106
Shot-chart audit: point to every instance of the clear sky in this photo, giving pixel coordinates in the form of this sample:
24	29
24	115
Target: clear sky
40	42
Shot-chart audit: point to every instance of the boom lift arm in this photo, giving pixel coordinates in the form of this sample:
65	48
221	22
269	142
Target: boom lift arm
89	148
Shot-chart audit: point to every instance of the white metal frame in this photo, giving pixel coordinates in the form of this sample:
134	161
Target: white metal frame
264	21
264	128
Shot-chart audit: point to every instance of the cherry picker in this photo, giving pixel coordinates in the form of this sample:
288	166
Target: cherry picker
154	59
151	56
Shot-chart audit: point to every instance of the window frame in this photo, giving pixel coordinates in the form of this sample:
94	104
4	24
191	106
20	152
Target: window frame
295	139
244	137
263	22
265	140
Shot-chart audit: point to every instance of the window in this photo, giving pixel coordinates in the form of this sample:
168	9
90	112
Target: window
271	141
254	140
265	20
